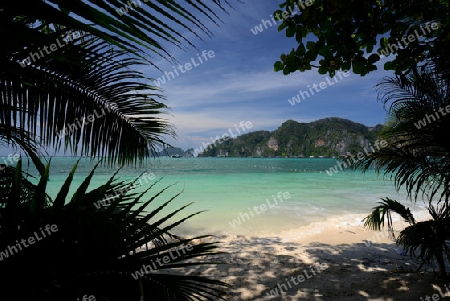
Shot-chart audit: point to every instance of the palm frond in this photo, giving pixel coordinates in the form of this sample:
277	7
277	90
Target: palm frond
427	241
383	212
146	24
104	111
103	250
94	74
417	155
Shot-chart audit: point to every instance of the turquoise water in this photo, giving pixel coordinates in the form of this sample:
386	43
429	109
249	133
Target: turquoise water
229	188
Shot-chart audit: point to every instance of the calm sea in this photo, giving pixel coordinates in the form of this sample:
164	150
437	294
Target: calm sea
287	193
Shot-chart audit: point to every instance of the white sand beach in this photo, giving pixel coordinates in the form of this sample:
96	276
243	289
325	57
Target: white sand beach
285	267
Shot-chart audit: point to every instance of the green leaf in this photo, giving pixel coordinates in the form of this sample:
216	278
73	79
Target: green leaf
59	202
369	47
346	66
282	26
373	58
358	67
323	70
290	31
299	36
301	50
38	202
310	45
326	52
278	66
81	191
280	14
389	66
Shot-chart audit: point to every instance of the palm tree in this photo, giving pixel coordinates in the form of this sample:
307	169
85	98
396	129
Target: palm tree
86	245
417	158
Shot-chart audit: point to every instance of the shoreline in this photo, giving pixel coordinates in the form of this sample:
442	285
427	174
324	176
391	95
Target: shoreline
333	230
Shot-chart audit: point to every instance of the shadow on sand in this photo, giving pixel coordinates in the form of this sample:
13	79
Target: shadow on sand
270	269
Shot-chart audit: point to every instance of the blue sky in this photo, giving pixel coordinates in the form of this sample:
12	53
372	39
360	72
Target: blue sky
239	83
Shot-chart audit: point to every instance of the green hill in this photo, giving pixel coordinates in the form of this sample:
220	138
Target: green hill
325	137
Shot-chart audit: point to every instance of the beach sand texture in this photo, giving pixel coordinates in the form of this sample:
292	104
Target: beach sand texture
360	264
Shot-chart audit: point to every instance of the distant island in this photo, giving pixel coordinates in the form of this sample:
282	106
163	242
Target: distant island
176	152
328	137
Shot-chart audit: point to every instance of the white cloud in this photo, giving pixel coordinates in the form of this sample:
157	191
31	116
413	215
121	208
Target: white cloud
230	87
